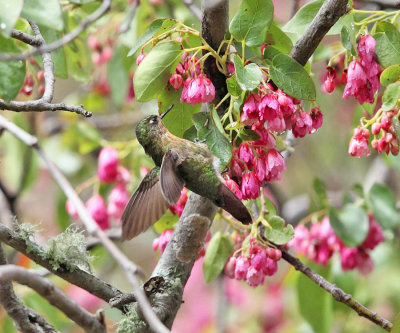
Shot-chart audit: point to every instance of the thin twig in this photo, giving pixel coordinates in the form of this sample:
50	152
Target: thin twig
126	25
43	103
193	8
105	6
131	270
89	322
337	293
26	320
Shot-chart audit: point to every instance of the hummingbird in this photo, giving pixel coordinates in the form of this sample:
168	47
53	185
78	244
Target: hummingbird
179	162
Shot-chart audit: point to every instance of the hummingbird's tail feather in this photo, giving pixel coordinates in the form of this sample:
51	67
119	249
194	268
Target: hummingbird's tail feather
230	202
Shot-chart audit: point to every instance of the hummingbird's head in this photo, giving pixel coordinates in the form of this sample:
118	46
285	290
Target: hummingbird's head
151	127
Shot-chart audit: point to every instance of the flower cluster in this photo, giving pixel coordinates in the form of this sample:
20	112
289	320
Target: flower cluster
254	266
257	161
196	86
29	83
332	77
320	242
108	171
101	53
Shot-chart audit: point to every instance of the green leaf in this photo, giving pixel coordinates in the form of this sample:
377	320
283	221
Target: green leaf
179	119
390	75
45	12
118	75
233	86
320	190
58	56
351	225
396	325
151	31
155	70
387	44
391	96
278	39
300	22
383	205
315	303
12	72
167	221
249	76
217	142
190	134
278	233
79	65
62	215
248	135
218	251
291	77
9	14
252	21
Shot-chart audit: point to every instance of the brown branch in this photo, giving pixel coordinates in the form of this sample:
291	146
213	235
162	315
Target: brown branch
74	274
337	293
89	322
43	103
132	271
25	319
105	6
326	17
126	25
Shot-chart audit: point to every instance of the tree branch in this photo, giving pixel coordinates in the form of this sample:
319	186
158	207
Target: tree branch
326	17
43	103
26	320
193	8
105	6
337	293
132	271
89	322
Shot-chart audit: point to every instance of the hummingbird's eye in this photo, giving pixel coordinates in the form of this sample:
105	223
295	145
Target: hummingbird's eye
153	120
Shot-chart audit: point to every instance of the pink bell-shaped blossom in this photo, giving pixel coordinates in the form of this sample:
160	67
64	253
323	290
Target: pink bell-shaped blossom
97	209
107	169
250	186
176	81
242	265
198	90
117	200
301	124
275	164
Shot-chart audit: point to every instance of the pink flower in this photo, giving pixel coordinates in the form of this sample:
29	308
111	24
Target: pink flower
234	187
277	124
317	118
123	176
259	260
365	265
246	153
375	235
267	139
250	186
164	238
271	267
330	82
300	241
199	90
107	169
260	168
140	58
275	164
117	199
268	107
366	50
237	166
250	109
350	258
178	208
254	277
301	124
98	211
176	81
242	265
83	297
230	266
71	209
358	145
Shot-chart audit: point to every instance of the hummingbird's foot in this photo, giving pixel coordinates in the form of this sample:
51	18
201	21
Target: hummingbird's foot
197	140
225	170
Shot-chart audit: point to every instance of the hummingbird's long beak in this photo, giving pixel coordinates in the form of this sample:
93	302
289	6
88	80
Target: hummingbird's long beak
166	111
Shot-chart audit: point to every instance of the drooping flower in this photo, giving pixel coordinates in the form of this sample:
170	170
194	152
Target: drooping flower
198	90
234	187
178	208
302	124
250	186
317	118
176	81
117	200
242	265
107	169
275	164
97	209
358	145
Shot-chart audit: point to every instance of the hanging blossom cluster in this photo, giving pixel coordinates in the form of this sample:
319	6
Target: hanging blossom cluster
109	171
267	112
253	265
196	86
320	242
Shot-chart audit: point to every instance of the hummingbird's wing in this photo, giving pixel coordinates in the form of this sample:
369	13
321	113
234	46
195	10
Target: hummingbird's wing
145	207
171	181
